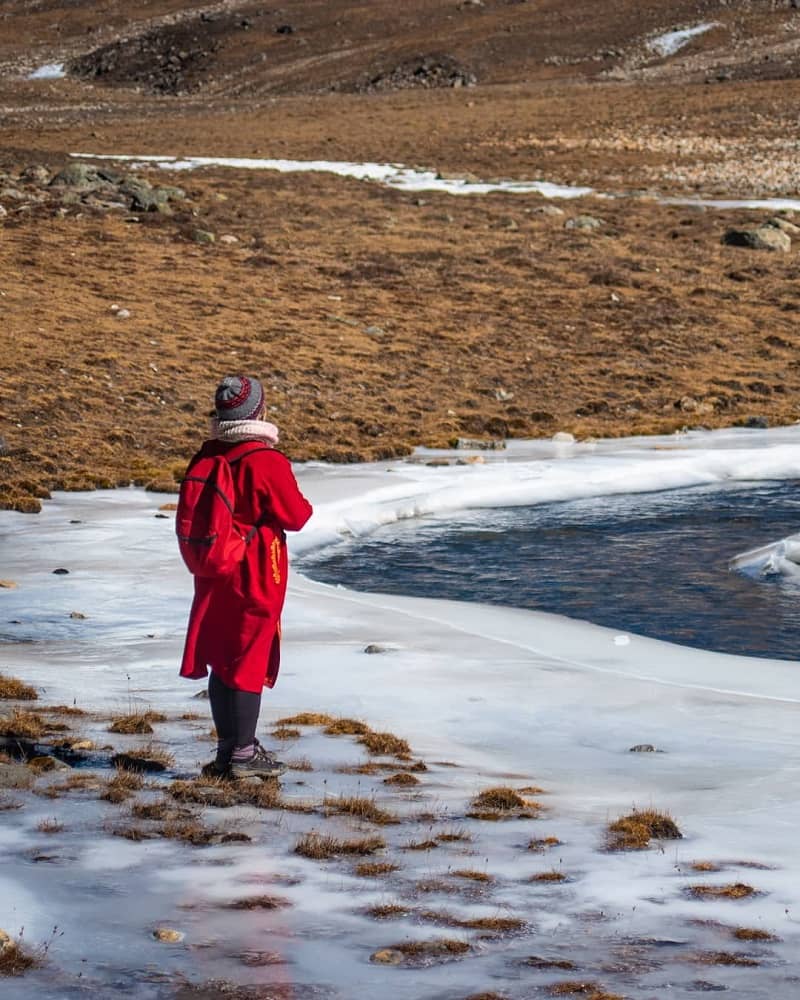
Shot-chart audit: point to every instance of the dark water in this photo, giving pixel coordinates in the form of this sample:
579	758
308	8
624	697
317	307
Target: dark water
654	564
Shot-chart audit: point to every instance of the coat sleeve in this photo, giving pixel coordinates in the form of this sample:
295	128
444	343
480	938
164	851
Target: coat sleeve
289	508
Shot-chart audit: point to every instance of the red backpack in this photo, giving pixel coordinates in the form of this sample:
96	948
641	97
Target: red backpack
211	542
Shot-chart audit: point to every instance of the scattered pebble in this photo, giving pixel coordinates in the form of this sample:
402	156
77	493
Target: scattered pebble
8	585
168	935
61	571
78	616
375	648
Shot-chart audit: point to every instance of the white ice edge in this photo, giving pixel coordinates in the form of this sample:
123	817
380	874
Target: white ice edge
501	691
408	179
50	71
673	41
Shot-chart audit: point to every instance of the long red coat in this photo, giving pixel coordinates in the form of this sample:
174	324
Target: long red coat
234	625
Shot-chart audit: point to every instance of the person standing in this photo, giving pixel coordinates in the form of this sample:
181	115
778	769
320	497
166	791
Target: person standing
234	623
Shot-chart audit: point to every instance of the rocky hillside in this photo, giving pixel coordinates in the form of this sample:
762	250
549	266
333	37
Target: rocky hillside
167	47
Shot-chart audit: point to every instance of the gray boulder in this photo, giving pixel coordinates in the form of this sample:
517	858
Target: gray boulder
762	238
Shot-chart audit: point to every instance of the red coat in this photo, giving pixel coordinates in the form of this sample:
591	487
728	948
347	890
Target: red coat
234	625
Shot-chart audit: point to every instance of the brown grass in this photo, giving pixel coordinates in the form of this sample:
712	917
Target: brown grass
49	826
420	845
23	725
590	990
453	834
134	833
372	869
549	963
9	805
385	744
723	958
635	831
221	794
307	719
403	779
387	911
500	798
347	727
62	709
15	958
122	786
549	876
300	764
736	890
259	903
436	948
145	758
705	866
498	925
543	844
472	875
12	689
320	847
753	934
135	723
436	885
189	831
359	807
285	733
159	810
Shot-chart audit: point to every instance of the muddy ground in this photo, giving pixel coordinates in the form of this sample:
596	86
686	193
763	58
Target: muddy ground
382	319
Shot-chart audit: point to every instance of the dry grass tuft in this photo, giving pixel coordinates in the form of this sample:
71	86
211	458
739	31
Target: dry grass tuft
498	798
723	958
300	764
49	826
635	831
385	744
320	847
372	869
452	835
307	719
15	958
736	890
9	805
161	809
145	758
387	911
122	786
135	723
12	689
498	925
425	951
535	962
543	844
285	733
188	830
436	885
359	807
420	845
402	779
590	990
62	709
347	727
23	725
549	876
259	903
221	794
753	934
472	875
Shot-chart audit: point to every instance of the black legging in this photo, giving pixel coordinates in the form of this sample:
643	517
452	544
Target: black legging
235	716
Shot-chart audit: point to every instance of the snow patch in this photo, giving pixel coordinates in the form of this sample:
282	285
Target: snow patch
50	71
673	41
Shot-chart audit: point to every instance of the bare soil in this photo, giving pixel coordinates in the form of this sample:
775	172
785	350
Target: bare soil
379	319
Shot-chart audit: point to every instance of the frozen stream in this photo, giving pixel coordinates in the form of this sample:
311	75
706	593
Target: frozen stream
510	696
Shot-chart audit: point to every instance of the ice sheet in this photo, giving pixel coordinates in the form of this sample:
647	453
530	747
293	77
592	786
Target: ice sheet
673	41
50	71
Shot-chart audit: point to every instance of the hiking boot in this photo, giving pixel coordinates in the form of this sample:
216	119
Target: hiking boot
261	765
214	770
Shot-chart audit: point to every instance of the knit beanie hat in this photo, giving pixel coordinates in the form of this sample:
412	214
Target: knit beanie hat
239	398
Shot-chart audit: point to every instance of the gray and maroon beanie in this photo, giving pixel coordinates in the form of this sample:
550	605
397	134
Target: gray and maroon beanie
239	397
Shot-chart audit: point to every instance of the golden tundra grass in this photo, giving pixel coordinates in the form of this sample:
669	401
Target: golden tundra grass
590	991
23	725
501	802
434	948
122	785
549	876
753	934
359	807
222	794
346	727
387	911
12	689
385	745
472	875
285	733
306	719
723	958
735	890
320	847
403	779
15	958
543	844
500	925
49	826
259	903
144	758
135	723
634	831
62	709
373	869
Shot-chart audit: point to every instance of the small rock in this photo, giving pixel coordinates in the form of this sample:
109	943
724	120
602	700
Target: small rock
284	29
586	223
123	314
8	585
373	648
78	175
61	571
374	331
11	194
551	210
502	396
3	212
784	225
229	239
168	935
755	423
78	616
387	956
643	748
563	437
204	236
201	695
79	745
35	174
762	238
163	517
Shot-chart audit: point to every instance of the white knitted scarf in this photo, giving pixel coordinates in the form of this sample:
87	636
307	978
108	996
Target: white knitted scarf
234	431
